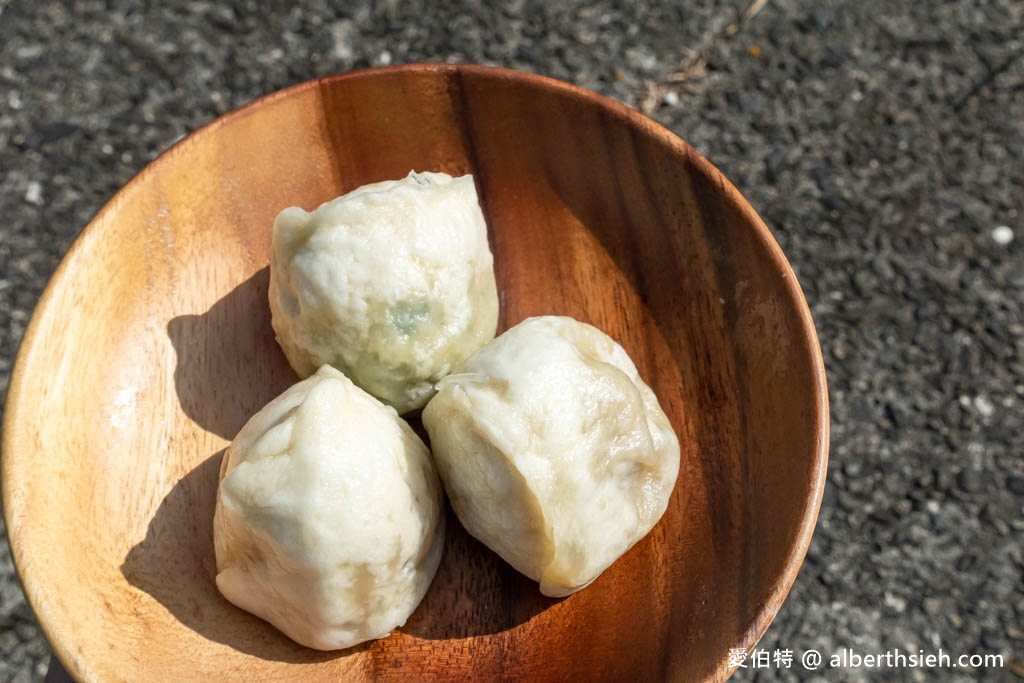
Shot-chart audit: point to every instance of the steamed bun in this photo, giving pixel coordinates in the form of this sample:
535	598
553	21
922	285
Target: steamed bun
393	284
329	520
553	451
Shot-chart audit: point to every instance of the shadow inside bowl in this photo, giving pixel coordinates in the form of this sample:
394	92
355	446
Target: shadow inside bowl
228	363
474	592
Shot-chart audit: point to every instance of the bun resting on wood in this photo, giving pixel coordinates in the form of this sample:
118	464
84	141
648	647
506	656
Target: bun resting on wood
329	520
392	283
553	451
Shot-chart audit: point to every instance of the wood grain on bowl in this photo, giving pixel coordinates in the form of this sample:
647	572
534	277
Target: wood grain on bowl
152	346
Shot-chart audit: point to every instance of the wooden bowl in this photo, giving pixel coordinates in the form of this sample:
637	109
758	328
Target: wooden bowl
152	346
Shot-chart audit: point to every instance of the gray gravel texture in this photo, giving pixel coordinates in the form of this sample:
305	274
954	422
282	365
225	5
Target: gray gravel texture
883	142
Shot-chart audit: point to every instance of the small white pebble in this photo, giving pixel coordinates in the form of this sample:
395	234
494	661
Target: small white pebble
984	406
1002	235
647	61
671	98
342	32
107	148
384	58
895	602
34	193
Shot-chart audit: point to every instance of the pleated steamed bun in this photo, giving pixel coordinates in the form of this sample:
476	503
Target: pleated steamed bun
329	520
393	284
553	451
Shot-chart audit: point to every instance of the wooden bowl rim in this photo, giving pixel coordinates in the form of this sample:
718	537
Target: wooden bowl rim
19	387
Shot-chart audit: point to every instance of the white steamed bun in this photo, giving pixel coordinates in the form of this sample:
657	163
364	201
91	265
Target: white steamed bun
393	284
329	520
553	451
